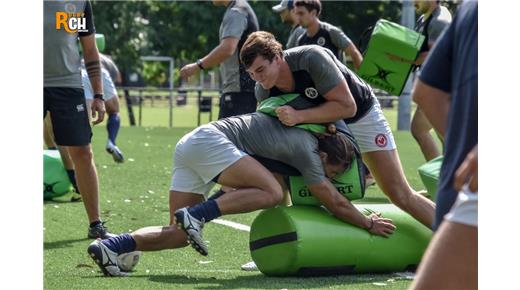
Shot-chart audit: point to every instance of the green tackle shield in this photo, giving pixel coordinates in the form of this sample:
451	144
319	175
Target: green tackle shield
429	173
377	67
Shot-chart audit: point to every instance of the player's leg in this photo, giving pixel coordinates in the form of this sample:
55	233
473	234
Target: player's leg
379	152
72	131
389	176
114	121
113	125
451	260
420	129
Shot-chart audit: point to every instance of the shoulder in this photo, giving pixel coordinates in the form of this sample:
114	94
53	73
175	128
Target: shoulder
442	17
261	93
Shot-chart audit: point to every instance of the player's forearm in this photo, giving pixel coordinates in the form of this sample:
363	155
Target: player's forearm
338	205
218	55
93	67
347	212
329	111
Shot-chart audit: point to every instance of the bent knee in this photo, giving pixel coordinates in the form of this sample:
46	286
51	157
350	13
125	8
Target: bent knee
274	196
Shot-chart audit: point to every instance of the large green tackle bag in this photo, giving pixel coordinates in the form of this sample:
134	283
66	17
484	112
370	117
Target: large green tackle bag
309	241
350	184
56	183
429	173
377	68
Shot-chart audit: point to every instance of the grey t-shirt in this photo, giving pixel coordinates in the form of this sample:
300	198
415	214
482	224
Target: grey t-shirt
262	135
295	33
316	71
435	25
238	22
61	59
328	36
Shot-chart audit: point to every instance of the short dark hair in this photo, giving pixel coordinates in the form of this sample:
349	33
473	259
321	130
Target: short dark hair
309	5
260	43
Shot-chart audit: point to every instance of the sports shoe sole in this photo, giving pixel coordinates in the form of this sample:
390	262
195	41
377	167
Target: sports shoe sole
95	252
179	221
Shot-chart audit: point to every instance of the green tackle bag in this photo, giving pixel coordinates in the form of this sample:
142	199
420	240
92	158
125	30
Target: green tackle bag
377	68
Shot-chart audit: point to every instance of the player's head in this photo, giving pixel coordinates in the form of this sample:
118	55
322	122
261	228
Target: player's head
220	2
262	56
285	9
336	153
308	11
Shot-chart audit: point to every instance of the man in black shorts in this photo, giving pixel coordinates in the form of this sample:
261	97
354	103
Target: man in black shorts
64	98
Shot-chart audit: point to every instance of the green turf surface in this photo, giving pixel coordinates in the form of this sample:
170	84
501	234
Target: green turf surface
135	194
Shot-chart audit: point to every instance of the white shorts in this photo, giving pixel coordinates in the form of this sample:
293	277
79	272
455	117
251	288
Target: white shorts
200	156
372	132
465	209
109	89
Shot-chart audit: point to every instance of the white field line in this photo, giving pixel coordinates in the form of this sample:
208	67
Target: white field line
234	225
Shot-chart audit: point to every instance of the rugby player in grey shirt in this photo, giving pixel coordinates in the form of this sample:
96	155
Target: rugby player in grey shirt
324	34
432	22
288	16
238	88
314	72
220	152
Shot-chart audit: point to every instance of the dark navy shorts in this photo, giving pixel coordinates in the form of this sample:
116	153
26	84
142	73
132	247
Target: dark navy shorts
69	115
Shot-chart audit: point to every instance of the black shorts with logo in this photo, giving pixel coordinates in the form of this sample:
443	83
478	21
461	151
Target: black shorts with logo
69	115
234	104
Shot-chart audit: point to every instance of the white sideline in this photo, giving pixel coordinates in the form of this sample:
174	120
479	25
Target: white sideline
234	225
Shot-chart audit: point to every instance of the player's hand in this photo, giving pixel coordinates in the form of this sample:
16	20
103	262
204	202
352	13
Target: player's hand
288	116
98	108
189	70
468	172
381	226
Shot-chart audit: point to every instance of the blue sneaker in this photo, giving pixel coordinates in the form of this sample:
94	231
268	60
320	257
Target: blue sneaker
115	152
105	259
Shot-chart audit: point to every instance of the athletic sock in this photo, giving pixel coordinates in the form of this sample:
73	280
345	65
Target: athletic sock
113	124
207	210
72	178
121	244
95	223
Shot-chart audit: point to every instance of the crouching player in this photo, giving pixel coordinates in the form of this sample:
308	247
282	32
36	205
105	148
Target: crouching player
221	152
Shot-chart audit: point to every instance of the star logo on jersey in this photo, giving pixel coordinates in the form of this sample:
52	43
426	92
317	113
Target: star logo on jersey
80	108
321	41
311	93
381	140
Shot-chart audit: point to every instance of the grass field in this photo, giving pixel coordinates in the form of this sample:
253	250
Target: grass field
135	194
